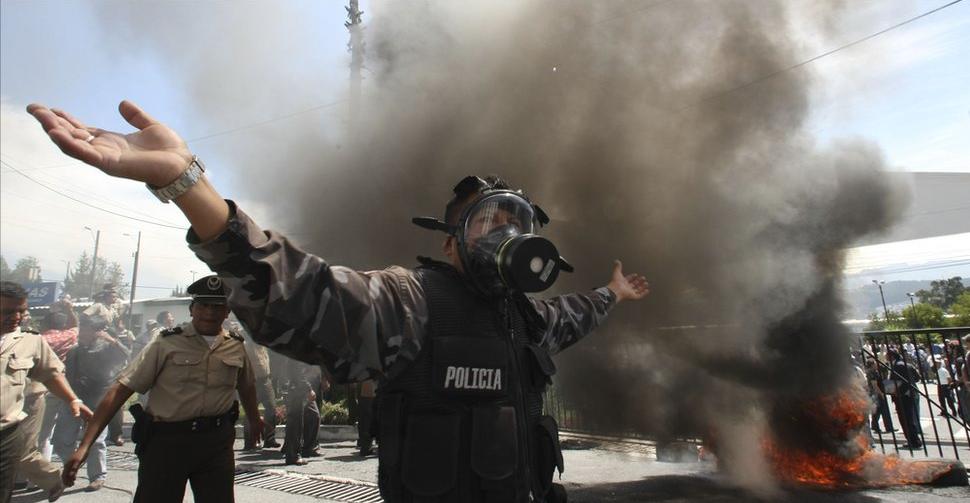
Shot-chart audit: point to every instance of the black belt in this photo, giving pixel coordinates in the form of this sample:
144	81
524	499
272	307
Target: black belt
197	425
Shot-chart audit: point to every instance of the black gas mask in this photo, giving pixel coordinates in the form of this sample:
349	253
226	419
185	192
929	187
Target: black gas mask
497	241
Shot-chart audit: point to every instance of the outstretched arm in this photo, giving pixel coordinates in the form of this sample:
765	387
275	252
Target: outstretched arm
154	154
568	318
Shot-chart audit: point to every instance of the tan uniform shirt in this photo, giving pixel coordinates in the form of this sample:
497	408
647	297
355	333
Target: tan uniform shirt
23	356
101	313
187	378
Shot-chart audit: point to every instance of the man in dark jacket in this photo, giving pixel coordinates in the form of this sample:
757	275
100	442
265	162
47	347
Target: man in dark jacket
905	374
92	366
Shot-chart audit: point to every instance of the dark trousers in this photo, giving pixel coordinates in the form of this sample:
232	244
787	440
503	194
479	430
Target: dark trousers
365	413
11	450
882	410
946	400
116	427
267	398
204	459
907	407
302	425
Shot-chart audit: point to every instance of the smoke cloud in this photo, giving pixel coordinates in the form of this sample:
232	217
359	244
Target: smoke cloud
633	125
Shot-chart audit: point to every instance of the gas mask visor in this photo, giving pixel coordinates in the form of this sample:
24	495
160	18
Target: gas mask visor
499	248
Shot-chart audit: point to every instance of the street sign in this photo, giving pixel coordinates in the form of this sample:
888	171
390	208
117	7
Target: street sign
42	294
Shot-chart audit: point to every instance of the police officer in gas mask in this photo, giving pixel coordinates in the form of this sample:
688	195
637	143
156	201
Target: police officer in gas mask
461	353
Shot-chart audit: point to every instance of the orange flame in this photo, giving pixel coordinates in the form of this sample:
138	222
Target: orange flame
852	464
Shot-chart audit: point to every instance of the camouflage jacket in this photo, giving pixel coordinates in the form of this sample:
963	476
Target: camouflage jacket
359	325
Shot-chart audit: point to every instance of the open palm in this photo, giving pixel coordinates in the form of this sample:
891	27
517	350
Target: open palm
628	286
154	154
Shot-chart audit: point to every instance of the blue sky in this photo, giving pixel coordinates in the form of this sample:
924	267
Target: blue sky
905	91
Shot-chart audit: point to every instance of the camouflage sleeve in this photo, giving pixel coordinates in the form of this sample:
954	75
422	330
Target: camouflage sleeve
356	324
569	318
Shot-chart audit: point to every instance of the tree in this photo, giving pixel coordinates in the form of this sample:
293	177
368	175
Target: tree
27	270
942	293
4	268
961	311
896	322
923	316
80	280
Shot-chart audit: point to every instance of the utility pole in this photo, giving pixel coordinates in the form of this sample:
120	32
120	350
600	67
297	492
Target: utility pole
356	48
94	261
134	281
883	297
913	304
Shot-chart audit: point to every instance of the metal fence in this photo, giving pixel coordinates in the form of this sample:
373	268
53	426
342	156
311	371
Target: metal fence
942	429
934	412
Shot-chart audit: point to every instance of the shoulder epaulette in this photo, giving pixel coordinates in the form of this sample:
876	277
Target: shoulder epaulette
29	331
236	336
170	331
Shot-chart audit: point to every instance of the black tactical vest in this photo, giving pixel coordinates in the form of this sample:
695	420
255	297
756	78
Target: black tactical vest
464	423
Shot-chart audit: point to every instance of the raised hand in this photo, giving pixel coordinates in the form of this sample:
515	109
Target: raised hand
627	287
154	154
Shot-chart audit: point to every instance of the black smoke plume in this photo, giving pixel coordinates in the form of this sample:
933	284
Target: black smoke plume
648	133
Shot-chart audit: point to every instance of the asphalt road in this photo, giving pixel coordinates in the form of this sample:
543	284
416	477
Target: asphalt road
595	472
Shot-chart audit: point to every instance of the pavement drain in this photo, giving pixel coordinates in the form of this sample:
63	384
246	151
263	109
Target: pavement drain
122	460
346	491
317	487
118	460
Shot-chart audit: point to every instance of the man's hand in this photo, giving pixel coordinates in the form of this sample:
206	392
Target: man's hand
71	466
155	154
627	287
78	409
256	427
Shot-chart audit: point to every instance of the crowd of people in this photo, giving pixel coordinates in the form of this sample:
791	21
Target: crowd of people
898	372
91	348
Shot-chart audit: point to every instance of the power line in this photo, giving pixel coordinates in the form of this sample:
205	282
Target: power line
899	270
820	56
90	194
53	166
263	123
85	203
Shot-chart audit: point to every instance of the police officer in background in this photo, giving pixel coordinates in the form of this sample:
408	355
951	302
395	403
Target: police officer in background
25	356
187	430
259	357
461	353
105	309
302	413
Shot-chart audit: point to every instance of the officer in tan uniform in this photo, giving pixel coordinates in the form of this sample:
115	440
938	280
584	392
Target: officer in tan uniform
187	430
25	356
259	357
105	308
105	314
